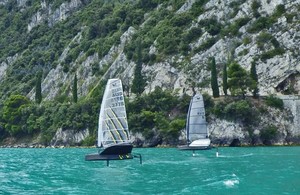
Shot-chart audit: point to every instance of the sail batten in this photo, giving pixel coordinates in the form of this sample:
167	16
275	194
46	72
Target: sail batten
123	130
114	131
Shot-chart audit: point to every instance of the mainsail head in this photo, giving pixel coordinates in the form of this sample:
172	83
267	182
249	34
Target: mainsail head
113	126
196	123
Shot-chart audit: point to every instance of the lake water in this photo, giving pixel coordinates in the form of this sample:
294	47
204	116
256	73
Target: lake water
246	170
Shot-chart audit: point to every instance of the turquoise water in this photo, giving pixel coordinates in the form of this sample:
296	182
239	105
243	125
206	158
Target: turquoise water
257	170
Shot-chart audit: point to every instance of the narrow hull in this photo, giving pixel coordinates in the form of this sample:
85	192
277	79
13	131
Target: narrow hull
114	152
200	144
187	147
97	156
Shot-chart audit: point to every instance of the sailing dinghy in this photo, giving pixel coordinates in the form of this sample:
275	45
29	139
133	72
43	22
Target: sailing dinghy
196	127
113	134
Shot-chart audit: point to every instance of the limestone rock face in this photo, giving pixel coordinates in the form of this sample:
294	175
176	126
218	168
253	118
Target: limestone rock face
276	74
223	132
3	2
115	60
68	137
4	65
53	16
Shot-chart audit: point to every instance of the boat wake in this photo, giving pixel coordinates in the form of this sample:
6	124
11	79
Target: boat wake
239	156
231	182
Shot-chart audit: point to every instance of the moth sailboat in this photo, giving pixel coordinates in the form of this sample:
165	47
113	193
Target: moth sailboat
196	127
113	134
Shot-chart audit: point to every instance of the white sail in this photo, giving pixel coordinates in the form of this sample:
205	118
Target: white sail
196	123
113	126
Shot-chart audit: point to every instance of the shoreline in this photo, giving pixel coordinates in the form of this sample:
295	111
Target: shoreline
159	146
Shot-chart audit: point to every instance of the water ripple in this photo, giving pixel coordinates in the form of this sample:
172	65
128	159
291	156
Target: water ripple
164	171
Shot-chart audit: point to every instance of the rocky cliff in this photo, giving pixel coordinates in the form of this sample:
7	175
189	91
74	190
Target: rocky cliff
275	74
276	57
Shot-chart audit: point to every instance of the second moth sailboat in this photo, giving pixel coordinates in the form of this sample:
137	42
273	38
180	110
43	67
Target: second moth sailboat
197	135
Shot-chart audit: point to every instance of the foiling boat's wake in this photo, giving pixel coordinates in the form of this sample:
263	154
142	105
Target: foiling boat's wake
231	182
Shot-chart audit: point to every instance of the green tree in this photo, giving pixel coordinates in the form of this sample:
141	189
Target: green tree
13	113
238	80
174	128
138	83
75	97
214	78
38	88
254	77
225	84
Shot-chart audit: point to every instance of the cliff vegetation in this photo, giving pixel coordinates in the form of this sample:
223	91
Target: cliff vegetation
56	56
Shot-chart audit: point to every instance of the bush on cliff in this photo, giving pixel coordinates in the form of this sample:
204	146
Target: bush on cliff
241	111
275	102
268	134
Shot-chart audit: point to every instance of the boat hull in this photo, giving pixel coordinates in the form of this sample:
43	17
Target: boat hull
200	144
97	156
186	147
114	152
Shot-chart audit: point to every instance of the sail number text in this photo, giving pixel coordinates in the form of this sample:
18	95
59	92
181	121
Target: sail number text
117	104
117	92
117	98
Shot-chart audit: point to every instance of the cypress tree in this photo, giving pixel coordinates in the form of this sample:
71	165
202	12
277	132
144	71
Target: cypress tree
225	85
254	78
138	83
38	88
75	97
238	80
214	78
